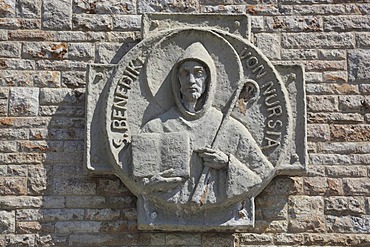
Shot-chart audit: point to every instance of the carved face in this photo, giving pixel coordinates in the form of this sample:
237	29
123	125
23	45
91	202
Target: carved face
192	76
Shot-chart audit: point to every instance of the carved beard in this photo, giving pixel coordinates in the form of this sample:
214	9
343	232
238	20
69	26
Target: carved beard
198	98
191	97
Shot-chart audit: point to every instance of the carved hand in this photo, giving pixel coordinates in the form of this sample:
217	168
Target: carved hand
213	158
163	181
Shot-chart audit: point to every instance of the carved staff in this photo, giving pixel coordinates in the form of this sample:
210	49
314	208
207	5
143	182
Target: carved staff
201	190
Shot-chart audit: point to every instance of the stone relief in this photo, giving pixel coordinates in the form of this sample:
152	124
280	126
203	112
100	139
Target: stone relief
196	122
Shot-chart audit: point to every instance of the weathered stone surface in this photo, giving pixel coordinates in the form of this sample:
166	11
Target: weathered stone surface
360	7
56	134
28	227
103	7
10	49
73	111
334	239
360	159
269	45
257	23
74	186
110	52
329	159
323	65
77	227
331	88
345	148
7	222
306	214
297	54
356	186
3	35
283	186
359	65
340	205
14	170
102	214
348	224
253	238
60	65
294	23
289	239
28	215
353	103
320	9
53	202
335	118
336	77
79	36
330	54
127	22
23	101
318	132
17	64
317	40
13	186
341	23
272	208
7	8
314	185
62	214
350	133
111	186
335	186
37	176
90	22
86	202
363	40
168	6
322	103
20	239
73	79
45	50
183	238
59	96
364	89
18	23
20	202
30	78
209	239
346	171
223	9
8	146
29	35
29	8
80	51
102	239
57	20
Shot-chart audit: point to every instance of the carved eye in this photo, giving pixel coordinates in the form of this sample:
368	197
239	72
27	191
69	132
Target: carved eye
183	73
199	72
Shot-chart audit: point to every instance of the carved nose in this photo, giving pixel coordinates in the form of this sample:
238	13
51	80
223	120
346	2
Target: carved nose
191	78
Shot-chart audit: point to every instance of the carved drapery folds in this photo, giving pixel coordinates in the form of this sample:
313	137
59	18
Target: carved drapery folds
196	122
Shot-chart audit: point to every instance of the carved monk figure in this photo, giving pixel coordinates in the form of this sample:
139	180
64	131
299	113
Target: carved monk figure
233	161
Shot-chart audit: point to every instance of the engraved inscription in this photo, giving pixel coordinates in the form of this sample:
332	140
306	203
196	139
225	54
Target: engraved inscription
273	123
119	109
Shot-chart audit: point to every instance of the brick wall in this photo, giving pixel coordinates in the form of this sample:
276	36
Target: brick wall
46	197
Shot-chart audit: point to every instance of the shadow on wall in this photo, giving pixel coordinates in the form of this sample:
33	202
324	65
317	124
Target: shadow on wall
78	209
272	205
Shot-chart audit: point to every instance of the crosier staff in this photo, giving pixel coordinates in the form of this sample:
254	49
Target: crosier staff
201	190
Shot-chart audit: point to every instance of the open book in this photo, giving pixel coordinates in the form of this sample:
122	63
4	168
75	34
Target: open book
153	153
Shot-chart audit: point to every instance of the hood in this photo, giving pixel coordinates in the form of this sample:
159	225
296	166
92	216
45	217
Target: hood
197	52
